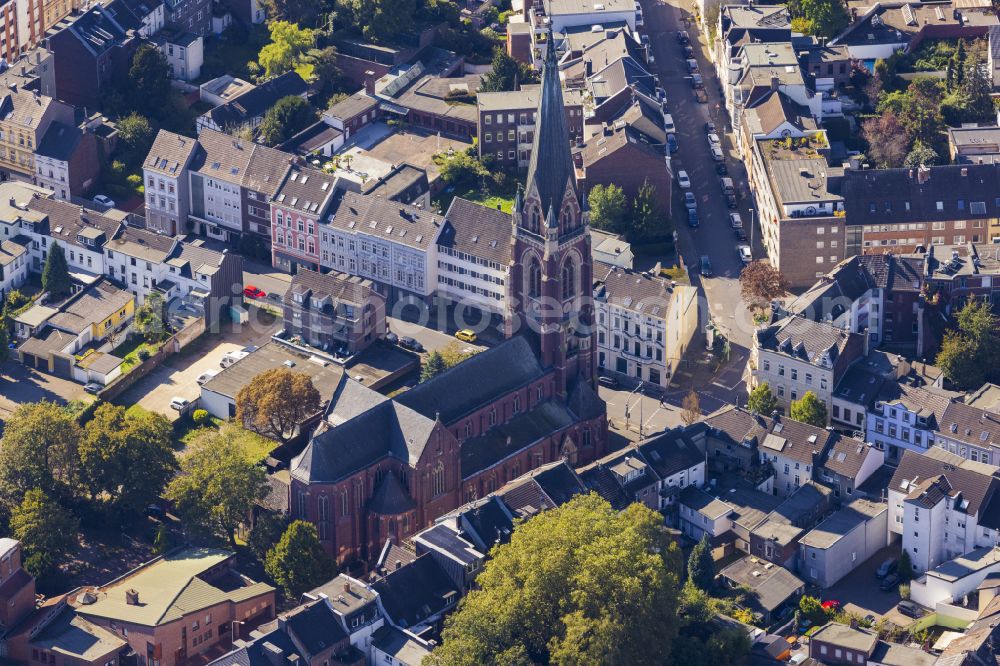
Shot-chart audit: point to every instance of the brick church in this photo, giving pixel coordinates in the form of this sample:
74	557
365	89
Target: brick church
380	469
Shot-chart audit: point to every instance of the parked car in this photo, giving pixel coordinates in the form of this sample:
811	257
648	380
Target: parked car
709	127
741	235
688	51
910	609
721	169
886	568
411	344
251	291
727	185
682	180
645	40
668	123
701	96
746	256
717	154
610	382
692	65
672	143
890	582
392	338
692	218
232	357
697	81
180	404
690	202
682	37
735	221
706	266
465	335
92	387
205	376
104	200
713	139
731	200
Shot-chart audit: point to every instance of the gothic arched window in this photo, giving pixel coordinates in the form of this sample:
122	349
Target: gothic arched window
534	219
534	278
568	279
567	219
437	480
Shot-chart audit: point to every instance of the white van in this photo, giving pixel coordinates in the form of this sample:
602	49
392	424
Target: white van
232	357
668	123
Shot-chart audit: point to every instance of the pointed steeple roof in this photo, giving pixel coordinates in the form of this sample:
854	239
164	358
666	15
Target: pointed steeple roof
551	166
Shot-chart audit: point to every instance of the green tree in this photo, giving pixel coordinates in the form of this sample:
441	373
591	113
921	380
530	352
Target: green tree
762	401
809	409
320	66
38	450
267	530
462	170
148	86
969	356
904	568
126	457
148	318
276	402
288	44
286	118
921	114
921	155
379	20
164	540
823	18
217	485
55	274
648	220
302	12
432	366
135	135
701	565
580	584
812	609
298	562
505	74
608	208
46	531
976	86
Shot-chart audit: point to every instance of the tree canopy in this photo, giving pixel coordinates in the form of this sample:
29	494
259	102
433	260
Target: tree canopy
38	450
46	530
379	20
288	45
582	583
148	318
298	562
691	408
55	274
760	283
608	208
285	119
506	74
149	89
762	401
217	484
648	218
701	565
969	356
809	409
275	402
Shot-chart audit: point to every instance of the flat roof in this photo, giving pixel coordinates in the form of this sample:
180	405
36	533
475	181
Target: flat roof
325	375
967	564
842	523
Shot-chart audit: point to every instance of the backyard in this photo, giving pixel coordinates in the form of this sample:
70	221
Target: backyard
134	350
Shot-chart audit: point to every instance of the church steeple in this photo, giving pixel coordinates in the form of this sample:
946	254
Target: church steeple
551	166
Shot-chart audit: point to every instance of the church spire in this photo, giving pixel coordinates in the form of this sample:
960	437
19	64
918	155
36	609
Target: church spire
551	166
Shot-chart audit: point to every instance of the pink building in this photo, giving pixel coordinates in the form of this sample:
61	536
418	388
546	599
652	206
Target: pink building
296	209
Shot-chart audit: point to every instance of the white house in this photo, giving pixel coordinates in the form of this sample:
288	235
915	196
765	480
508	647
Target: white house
473	256
184	51
13	266
951	581
165	173
906	418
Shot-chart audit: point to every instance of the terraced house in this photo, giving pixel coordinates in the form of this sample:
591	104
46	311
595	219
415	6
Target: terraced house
25	116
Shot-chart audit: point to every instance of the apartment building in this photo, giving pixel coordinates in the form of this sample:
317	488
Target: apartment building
165	173
506	124
745	24
25	117
622	155
970	431
956	273
794	450
772	116
905	418
216	175
23	24
334	311
644	323
67	160
13	266
81	232
473	256
942	506
796	355
299	205
843	541
392	244
901	210
184	51
801	217
563	14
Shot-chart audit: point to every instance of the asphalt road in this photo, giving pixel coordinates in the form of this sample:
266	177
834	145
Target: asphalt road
714	237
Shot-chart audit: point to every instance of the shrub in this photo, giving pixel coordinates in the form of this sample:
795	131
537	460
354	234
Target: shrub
200	417
143	354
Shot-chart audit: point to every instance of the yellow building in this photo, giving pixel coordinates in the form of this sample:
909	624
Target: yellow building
25	116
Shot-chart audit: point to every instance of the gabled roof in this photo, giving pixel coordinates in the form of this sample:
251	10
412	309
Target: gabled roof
477	230
846	456
305	189
774	108
380	217
818	343
971	425
416	592
60	141
67	221
670	452
542	488
339	287
170	153
500	441
255	102
915	470
785	437
222	157
314	627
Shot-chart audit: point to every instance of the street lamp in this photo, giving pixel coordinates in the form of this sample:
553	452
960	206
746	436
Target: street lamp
628	410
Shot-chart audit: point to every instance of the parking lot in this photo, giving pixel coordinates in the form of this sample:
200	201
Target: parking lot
178	376
19	385
862	588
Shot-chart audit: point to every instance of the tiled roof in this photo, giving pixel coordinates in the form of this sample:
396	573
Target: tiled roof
305	189
846	457
340	287
818	343
775	108
170	153
67	221
975	487
314	627
927	402
971	425
266	170
377	216
670	452
636	291
605	144
255	102
60	141
477	230
221	156
785	437
142	244
390	497
705	504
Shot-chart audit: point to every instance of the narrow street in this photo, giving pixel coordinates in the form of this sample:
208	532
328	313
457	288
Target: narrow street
714	237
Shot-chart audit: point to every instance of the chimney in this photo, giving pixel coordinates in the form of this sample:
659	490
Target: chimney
923	174
274	654
605	130
588	67
774	83
965	171
132	597
347	587
854	623
370	82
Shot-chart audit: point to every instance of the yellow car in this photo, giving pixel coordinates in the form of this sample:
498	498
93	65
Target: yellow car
465	335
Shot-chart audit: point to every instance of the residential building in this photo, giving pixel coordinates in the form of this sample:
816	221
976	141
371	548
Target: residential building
746	24
81	232
13	266
218	394
830	66
775	538
67	160
316	139
17	586
184	51
857	391
223	89
773	586
193	16
952	581
23	24
843	541
356	606
677	458
506	123
956	273
942	506
392	244
398	647
906	418
903	210
146	17
509	409
170	608
849	462
796	355
90	52
473	256
841	644
800	216
623	156
404	183
611	249
613	87
246	110
165	173
25	117
299	205
975	145
971	432
417	596
772	115
558	15
334	311
351	114
644	323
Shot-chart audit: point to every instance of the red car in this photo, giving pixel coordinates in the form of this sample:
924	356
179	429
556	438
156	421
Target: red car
251	291
831	605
